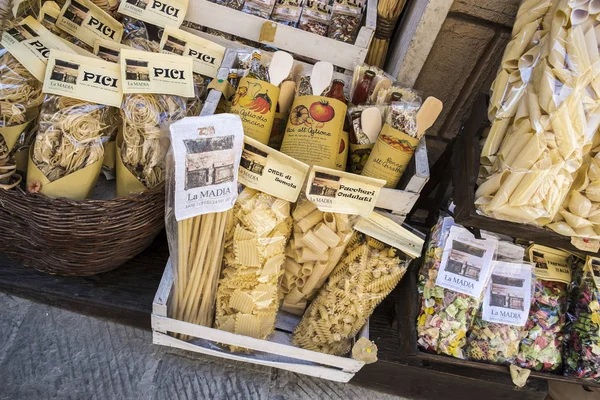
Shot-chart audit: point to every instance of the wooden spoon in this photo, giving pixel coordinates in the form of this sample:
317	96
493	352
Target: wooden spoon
370	123
280	67
286	96
427	115
320	79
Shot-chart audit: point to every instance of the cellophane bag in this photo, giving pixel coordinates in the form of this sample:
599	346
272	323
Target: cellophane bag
315	17
544	114
287	12
367	273
582	353
345	21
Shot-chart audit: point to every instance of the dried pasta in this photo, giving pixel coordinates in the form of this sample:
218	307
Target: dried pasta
248	295
368	272
20	92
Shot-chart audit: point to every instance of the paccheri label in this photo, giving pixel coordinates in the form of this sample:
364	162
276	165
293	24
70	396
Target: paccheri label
391	232
342	192
593	266
145	72
507	297
88	22
550	264
83	78
48	15
207	56
109	50
390	156
255	102
30	43
207	152
270	171
313	130
157	12
466	262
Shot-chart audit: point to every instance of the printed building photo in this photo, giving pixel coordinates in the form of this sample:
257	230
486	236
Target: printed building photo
174	45
64	71
253	159
540	261
22	32
596	268
138	3
465	260
107	54
507	293
325	185
136	70
76	12
209	161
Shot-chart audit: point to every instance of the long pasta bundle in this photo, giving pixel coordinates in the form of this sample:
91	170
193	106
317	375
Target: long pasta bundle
20	92
545	112
368	272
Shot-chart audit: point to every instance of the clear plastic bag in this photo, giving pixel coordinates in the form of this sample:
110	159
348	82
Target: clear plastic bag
287	12
315	17
346	19
195	104
367	273
235	4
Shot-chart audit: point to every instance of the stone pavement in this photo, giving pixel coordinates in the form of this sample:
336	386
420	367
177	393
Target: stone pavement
49	353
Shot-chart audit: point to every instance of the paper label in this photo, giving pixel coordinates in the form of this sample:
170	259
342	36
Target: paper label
145	72
313	129
30	43
83	78
109	50
509	252
88	22
279	123
48	16
550	264
270	171
466	262
390	232
255	102
161	13
390	156
585	244
593	266
207	153
342	157
508	295
207	56
342	192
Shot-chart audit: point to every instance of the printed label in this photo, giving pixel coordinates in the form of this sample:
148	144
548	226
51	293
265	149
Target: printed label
30	43
342	156
207	56
270	171
313	129
390	232
83	78
88	22
48	16
342	192
109	50
207	153
279	123
157	12
585	244
255	102
550	264
508	295
145	72
466	262
593	266
390	156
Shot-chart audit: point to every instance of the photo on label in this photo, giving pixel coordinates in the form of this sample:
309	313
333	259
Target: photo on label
325	185
137	70
107	54
596	268
507	293
22	32
64	71
540	261
138	3
209	161
174	45
76	12
465	260
253	159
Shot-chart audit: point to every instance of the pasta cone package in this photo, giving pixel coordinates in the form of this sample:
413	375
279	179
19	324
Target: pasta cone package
323	225
78	116
582	356
248	293
156	90
202	165
499	327
541	349
451	283
367	272
544	114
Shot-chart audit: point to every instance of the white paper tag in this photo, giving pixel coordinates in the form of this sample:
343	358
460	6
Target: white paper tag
508	295
207	152
466	262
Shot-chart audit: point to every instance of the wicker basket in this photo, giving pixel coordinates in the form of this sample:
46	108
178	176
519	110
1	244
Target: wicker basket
78	238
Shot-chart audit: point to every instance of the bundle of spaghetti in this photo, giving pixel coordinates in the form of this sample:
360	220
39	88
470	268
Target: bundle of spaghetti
368	272
194	104
8	177
318	243
145	143
545	112
71	134
20	92
247	297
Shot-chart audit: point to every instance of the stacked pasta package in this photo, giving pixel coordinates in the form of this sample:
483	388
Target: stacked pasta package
255	240
545	115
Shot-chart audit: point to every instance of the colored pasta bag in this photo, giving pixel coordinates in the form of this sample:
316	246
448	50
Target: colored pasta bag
582	357
367	273
345	20
156	88
287	12
315	17
78	116
202	185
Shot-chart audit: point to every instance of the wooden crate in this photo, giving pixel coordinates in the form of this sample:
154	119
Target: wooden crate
247	26
277	352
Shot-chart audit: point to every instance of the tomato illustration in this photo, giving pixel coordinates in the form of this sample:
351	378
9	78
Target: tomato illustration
321	111
342	146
